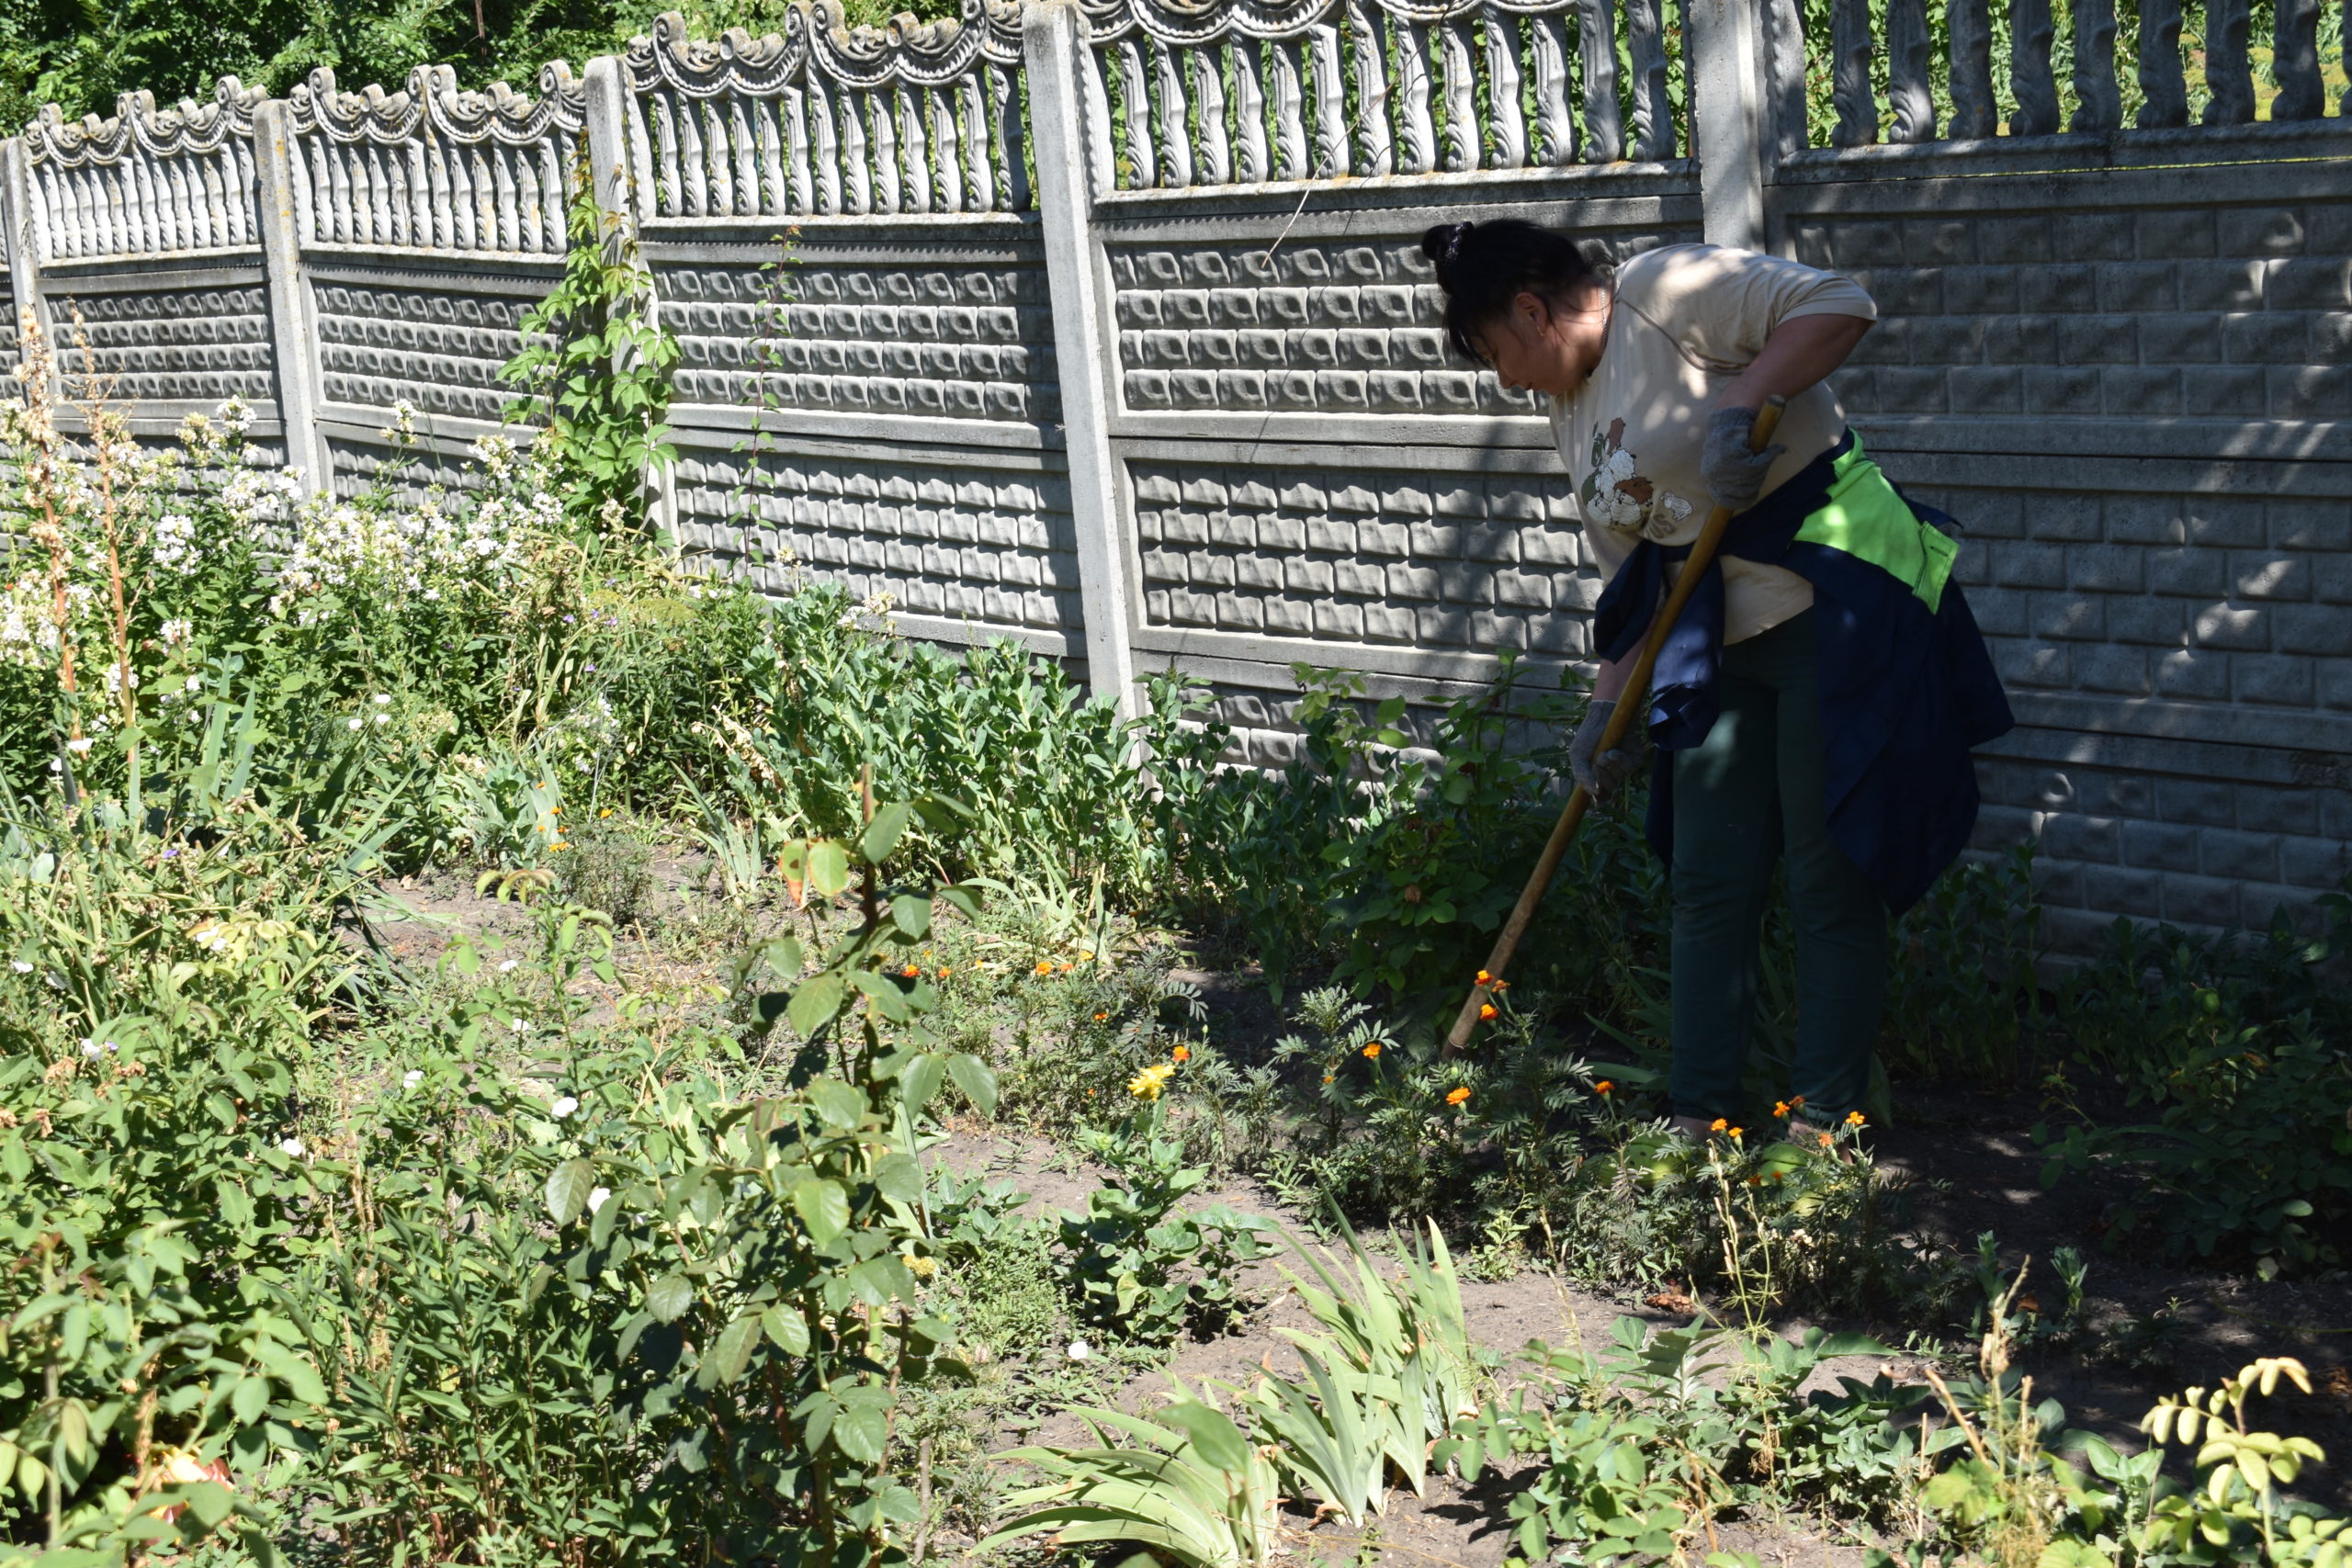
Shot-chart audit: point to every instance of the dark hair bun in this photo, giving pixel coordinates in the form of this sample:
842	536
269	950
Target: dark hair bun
1443	242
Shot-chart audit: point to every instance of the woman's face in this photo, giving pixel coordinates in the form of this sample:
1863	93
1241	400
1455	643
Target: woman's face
1548	346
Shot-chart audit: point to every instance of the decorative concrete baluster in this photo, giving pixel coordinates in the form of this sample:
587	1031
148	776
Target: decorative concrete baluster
747	158
774	172
1376	143
2031	81
1604	122
952	142
709	177
1289	59
147	214
1851	46
1253	160
1556	122
2163	91
529	204
2098	102
1654	134
1419	152
1973	111
853	157
1504	89
445	197
823	122
2294	60
1135	99
1331	100
1908	96
1012	139
694	161
247	217
1169	113
801	180
1208	99
670	187
346	221
506	194
1463	149
914	143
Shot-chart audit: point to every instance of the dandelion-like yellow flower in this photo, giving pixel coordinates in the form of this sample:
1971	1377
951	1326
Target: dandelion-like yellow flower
1456	1096
1182	1053
1372	1052
1146	1084
1717	1125
1854	1119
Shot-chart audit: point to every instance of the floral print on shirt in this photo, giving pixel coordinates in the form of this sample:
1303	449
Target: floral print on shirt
1615	494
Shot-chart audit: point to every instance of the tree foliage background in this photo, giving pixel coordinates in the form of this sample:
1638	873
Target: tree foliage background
81	53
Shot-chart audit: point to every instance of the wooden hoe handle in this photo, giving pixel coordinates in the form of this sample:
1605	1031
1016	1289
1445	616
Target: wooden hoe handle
1633	700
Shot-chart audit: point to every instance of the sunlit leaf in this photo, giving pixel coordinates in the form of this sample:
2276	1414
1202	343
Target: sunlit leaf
568	1188
823	1207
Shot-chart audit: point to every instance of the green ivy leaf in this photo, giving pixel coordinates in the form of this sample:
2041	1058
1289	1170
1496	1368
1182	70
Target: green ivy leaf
815	1004
828	867
568	1188
882	835
734	1351
973	1077
670	1297
823	1208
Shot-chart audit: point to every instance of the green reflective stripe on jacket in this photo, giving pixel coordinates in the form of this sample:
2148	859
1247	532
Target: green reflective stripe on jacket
1863	517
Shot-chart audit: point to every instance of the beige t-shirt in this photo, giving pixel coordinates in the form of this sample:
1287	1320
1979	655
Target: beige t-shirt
1687	319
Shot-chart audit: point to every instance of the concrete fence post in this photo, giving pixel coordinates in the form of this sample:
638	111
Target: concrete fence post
292	339
615	184
1727	132
1078	281
23	244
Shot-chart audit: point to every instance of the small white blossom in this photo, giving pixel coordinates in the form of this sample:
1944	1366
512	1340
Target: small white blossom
596	1198
380	700
351	723
412	1077
510	964
564	1107
20	967
1079	1351
517	1025
292	1147
79	745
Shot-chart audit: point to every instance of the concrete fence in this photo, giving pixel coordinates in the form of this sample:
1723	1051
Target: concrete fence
1103	326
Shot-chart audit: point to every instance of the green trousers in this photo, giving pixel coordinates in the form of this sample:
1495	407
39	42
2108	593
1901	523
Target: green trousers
1751	793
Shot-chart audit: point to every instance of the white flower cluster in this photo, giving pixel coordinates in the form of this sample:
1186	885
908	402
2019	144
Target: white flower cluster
431	550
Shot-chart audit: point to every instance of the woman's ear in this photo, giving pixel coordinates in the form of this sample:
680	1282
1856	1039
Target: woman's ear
1532	313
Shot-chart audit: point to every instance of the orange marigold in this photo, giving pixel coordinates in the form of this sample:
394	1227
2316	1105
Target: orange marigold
1717	1125
1372	1051
1854	1119
1485	1011
1483	978
1182	1053
911	972
1826	1140
1045	966
1456	1096
1102	1017
1780	1108
1603	1087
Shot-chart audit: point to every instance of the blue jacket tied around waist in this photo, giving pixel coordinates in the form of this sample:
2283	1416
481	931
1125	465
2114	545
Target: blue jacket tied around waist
1906	683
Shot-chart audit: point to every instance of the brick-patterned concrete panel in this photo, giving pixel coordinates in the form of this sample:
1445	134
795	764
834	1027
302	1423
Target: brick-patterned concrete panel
942	540
439	350
924	336
2192	311
1347	326
205	342
1451	562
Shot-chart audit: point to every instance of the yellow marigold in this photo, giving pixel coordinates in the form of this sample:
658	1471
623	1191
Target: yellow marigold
1146	1084
1485	978
1456	1096
1854	1119
1717	1125
1182	1053
1372	1051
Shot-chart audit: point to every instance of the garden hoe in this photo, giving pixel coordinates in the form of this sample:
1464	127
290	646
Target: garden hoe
1634	700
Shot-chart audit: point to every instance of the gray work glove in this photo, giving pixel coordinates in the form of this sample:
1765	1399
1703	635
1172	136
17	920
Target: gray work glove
1600	771
1735	476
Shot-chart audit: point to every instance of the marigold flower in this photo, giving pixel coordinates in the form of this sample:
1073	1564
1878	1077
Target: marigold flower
1067	966
1735	1131
1456	1096
911	972
1717	1125
1854	1119
1485	1011
1102	1017
1146	1084
944	971
1780	1108
1826	1140
1372	1052
1500	987
1045	966
1796	1099
1603	1087
1485	978
1326	1077
1182	1053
